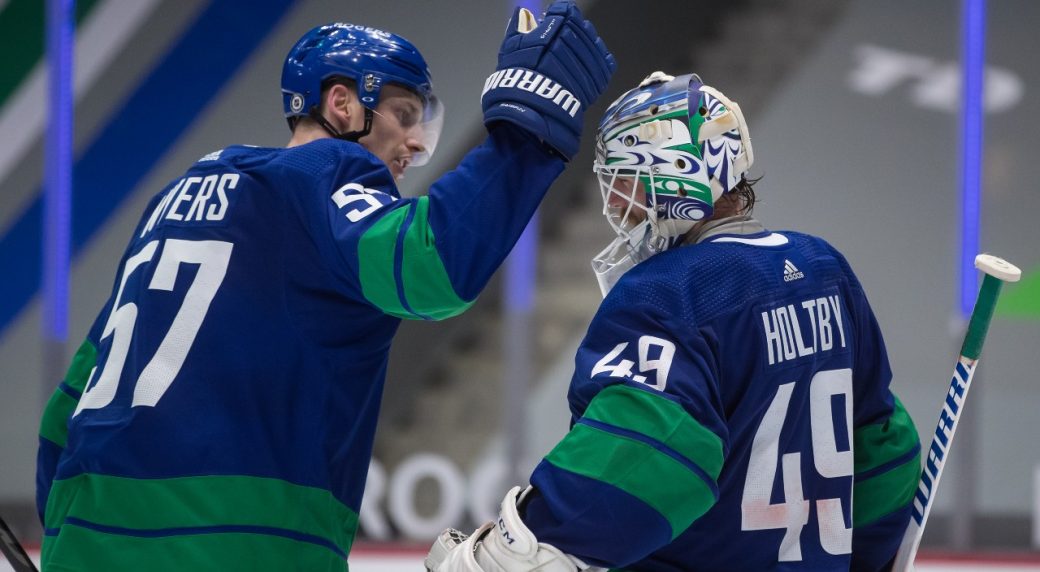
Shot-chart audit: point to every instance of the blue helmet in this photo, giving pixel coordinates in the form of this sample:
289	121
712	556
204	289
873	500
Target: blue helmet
367	56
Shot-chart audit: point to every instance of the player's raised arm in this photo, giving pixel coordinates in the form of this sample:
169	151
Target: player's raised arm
547	77
428	258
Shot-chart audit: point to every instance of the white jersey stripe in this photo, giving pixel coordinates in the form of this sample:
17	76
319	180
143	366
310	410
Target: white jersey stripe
773	239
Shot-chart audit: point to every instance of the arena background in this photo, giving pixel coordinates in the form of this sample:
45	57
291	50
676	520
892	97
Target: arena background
854	110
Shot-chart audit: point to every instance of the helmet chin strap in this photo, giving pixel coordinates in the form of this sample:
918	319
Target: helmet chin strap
352	136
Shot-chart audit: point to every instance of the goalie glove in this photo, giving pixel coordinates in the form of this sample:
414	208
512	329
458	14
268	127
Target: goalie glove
505	546
548	73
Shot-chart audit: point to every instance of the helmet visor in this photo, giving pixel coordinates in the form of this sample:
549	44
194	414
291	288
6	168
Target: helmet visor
428	131
421	126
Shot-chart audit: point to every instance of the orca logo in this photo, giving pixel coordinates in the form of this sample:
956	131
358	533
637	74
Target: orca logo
296	103
685	210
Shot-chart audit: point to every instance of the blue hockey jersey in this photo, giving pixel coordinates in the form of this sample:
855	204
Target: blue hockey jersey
731	411
220	414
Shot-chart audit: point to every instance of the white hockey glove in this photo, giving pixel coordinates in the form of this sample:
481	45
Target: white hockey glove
508	546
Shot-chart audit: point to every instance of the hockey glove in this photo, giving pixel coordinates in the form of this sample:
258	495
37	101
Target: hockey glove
548	73
508	546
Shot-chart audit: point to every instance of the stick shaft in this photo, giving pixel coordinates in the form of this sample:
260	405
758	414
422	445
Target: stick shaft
953	404
13	550
935	461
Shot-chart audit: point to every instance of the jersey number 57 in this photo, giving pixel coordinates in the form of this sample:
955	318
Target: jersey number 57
212	256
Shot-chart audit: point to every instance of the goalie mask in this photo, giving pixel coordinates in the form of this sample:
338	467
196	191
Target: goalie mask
665	152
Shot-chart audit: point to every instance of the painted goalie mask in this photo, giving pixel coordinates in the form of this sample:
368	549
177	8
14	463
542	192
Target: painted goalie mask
665	152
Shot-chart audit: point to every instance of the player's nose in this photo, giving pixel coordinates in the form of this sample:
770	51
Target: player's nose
414	145
618	199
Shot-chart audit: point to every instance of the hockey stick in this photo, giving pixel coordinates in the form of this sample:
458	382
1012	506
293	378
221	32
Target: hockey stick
997	271
14	552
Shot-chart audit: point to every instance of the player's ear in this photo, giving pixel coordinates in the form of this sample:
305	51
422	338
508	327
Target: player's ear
340	102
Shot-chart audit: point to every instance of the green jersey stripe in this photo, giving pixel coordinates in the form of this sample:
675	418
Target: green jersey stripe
54	424
885	493
201	501
426	284
660	419
875	445
635	467
224	551
82	364
422	278
376	250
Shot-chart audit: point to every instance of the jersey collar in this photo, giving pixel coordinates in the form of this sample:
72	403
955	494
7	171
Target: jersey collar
740	225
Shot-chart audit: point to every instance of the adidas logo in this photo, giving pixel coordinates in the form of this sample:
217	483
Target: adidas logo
791	271
211	156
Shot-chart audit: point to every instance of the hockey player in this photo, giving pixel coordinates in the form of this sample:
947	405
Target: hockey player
731	404
220	414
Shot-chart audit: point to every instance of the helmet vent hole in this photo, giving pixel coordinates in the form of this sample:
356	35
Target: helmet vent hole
703	111
628	140
680	164
654	109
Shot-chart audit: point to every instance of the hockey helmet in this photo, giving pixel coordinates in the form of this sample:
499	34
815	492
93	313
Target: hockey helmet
371	58
665	152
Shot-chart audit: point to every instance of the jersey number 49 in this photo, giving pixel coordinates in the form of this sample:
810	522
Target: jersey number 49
757	513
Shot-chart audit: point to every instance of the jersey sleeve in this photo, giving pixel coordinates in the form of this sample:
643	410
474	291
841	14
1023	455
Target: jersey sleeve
643	457
429	257
886	448
54	429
